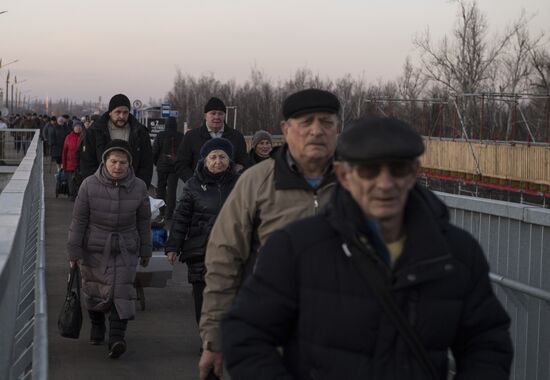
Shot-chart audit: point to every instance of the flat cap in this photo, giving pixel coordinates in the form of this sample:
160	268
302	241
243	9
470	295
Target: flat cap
378	139
310	100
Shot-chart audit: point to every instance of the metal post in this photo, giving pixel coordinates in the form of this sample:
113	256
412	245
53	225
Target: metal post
7	89
482	118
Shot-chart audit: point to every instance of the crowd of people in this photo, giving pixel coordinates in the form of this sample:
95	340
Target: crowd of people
321	258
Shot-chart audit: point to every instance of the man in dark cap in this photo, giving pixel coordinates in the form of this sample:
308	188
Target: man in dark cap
295	184
213	126
378	286
165	148
117	123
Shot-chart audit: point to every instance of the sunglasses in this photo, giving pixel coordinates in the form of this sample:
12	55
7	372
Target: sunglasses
371	170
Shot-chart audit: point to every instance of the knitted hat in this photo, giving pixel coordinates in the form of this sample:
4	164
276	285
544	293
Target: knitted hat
61	120
214	104
119	145
119	100
259	136
218	143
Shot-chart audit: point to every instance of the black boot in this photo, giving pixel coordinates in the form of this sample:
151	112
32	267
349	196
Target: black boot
117	331
97	333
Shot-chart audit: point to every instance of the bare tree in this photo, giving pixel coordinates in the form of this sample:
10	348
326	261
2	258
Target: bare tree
462	63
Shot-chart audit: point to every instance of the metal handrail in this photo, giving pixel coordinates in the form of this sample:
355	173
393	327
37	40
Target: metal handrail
40	345
520	287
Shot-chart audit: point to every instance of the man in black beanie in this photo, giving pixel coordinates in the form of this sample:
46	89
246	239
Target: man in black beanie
117	123
213	126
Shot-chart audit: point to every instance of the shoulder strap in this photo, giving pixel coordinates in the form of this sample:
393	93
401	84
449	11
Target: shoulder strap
372	275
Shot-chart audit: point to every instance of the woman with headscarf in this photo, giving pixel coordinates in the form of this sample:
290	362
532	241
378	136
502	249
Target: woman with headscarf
203	197
109	233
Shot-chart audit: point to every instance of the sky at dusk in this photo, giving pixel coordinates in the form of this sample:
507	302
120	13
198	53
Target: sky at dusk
85	49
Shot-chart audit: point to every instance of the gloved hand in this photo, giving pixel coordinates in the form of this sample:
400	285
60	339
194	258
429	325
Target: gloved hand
144	261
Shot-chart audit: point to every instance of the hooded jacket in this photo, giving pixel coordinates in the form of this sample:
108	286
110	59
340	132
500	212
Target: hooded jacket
307	295
109	231
97	137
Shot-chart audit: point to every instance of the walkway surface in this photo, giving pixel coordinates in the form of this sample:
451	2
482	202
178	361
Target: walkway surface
163	341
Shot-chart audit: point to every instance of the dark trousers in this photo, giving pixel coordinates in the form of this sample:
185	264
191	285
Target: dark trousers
198	289
117	326
167	185
71	183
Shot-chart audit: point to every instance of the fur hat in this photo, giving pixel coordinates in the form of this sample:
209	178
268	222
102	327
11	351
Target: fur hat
218	143
119	145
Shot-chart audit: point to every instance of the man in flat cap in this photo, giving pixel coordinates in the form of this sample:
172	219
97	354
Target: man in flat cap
213	126
117	123
296	183
378	286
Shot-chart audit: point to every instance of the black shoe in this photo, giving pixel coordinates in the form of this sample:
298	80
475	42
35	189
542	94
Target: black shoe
97	334
116	349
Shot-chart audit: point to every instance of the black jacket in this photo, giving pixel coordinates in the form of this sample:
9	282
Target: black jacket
189	149
165	148
307	296
97	137
202	199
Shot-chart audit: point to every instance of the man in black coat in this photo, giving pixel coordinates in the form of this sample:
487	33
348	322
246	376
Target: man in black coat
117	123
165	148
213	126
314	288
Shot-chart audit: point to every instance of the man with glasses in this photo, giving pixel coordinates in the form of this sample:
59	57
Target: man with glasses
379	286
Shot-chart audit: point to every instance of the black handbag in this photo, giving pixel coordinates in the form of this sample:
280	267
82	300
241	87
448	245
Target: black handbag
69	322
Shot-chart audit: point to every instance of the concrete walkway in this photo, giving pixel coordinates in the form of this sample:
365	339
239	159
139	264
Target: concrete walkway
163	341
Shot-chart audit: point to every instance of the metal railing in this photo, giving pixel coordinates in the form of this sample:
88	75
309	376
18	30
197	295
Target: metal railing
516	241
23	313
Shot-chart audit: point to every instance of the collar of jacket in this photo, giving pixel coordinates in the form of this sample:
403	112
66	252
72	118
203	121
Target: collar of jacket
101	123
206	179
426	254
288	179
227	132
127	182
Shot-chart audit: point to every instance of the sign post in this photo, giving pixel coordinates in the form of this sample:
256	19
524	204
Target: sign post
165	110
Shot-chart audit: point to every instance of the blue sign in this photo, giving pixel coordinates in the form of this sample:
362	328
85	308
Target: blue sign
165	110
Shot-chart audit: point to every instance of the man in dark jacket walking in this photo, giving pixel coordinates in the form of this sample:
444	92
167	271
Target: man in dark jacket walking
322	286
165	148
213	126
117	123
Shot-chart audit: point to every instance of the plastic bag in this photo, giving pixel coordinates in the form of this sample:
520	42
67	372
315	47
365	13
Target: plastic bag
156	204
159	236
